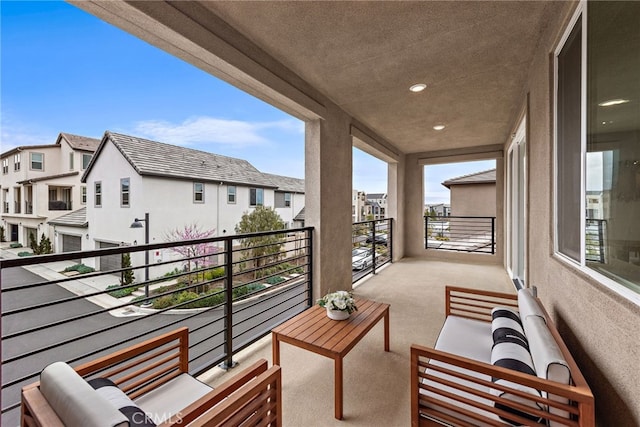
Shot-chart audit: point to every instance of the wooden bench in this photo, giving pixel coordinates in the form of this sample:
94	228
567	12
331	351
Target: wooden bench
153	366
456	388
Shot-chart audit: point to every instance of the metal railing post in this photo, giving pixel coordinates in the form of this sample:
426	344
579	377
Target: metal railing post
309	240
228	305
493	235
426	231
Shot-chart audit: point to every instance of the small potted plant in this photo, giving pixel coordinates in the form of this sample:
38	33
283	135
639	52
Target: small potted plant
339	305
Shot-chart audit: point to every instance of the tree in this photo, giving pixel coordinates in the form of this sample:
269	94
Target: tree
262	249
127	276
44	247
196	253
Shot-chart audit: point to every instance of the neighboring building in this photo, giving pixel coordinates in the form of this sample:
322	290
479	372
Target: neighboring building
177	186
473	194
358	202
41	183
376	206
438	209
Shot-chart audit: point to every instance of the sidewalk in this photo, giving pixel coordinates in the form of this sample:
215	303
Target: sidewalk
80	286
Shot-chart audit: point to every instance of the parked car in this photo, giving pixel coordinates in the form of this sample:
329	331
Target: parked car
361	258
381	239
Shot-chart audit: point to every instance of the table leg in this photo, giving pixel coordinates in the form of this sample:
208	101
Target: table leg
338	388
386	331
275	348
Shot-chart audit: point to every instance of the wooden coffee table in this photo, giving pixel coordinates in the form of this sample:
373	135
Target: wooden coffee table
312	330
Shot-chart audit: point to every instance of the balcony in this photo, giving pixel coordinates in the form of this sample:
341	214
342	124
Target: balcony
84	322
59	205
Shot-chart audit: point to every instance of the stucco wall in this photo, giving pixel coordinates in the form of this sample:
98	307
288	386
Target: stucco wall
473	200
600	327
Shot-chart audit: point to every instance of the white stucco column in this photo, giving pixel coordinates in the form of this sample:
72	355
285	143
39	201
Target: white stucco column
396	198
328	181
413	231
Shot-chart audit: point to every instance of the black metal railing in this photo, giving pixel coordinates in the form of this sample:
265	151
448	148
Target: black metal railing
59	205
369	238
28	208
461	233
594	240
16	207
230	291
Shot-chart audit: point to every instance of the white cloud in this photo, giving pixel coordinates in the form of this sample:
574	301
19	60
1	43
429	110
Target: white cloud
14	134
201	130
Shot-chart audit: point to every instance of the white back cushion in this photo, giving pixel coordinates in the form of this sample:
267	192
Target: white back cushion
528	305
75	402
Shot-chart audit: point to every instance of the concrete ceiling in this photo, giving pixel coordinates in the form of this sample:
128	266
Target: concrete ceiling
363	56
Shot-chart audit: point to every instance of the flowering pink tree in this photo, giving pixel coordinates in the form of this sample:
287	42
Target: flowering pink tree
198	254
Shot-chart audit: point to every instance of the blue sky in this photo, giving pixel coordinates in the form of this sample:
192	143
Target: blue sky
64	70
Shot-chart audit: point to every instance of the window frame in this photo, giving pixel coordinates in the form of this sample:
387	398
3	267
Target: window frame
125	194
580	13
287	199
86	159
83	194
71	159
253	195
5	166
232	194
97	194
196	192
17	159
32	161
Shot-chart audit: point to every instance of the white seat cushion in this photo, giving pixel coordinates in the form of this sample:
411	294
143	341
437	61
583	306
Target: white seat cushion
163	402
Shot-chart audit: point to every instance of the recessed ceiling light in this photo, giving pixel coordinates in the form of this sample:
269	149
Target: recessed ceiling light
418	87
438	127
611	102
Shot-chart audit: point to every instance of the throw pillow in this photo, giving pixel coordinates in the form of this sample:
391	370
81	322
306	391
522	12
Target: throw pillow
110	391
506	324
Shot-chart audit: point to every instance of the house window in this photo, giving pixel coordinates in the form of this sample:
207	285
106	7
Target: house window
16	162
256	197
287	200
70	161
198	192
37	161
83	194
597	139
98	194
124	192
231	194
5	166
86	158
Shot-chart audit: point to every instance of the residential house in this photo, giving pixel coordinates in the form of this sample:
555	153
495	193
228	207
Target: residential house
438	209
534	85
177	187
41	183
473	194
358	202
376	205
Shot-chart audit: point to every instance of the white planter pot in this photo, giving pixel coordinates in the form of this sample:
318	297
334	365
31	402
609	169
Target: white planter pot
337	314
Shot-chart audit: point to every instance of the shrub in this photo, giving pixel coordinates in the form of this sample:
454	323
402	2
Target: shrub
24	253
80	268
119	291
15	245
163	302
275	280
214	273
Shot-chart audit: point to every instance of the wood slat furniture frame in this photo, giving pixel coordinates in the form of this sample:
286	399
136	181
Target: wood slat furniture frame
312	330
254	393
426	409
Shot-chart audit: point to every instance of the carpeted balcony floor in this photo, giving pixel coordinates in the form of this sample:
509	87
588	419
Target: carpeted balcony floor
376	383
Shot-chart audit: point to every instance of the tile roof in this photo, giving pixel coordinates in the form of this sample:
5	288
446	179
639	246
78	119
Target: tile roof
376	196
48	177
77	218
159	159
83	143
286	183
484	177
300	216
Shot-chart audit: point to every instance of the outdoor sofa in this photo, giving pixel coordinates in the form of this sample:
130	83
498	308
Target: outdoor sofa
498	361
149	384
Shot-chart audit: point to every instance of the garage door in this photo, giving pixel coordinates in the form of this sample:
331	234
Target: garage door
110	262
71	244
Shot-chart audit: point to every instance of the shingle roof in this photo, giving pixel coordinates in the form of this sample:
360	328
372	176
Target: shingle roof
76	218
484	177
286	183
159	159
83	143
300	216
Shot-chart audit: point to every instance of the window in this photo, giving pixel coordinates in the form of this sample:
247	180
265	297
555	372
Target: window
256	197
198	192
70	161
598	145
287	200
37	161
16	162
98	194
83	194
124	192
5	166
231	194
86	158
